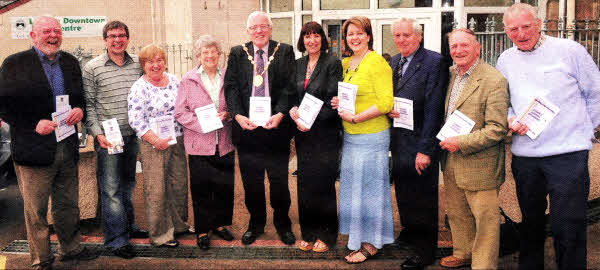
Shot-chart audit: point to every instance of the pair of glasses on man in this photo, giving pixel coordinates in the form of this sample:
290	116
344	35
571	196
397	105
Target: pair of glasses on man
263	27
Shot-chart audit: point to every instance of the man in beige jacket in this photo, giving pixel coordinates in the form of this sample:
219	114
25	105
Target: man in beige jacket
473	164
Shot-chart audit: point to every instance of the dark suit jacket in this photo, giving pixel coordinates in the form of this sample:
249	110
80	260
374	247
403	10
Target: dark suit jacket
238	83
424	82
323	84
26	98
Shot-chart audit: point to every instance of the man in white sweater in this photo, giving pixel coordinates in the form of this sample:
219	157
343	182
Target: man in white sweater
553	162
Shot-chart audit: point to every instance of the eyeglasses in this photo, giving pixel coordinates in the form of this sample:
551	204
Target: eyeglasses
263	27
116	36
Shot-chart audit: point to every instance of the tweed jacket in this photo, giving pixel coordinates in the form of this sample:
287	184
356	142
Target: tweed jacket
193	94
479	162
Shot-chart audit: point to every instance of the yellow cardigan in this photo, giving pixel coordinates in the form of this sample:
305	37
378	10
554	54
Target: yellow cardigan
374	79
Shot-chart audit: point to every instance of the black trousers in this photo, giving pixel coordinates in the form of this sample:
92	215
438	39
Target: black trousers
417	198
566	179
211	185
317	173
263	150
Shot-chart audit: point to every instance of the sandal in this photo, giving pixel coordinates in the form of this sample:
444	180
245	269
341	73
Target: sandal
320	246
363	251
306	246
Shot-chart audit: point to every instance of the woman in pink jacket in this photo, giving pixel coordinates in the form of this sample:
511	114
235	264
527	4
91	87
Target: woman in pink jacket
211	155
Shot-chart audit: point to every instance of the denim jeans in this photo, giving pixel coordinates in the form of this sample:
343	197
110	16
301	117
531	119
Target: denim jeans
116	181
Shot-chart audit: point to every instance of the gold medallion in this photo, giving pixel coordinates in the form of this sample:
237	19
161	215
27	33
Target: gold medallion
258	80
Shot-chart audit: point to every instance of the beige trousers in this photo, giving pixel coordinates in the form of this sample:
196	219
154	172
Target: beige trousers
474	222
61	181
165	190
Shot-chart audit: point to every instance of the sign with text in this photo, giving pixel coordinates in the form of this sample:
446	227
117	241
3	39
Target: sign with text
72	26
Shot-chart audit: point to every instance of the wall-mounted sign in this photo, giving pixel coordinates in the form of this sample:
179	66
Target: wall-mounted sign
72	26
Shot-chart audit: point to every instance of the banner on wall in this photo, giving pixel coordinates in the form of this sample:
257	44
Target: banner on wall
72	26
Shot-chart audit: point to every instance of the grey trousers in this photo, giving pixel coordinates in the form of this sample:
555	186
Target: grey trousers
61	181
165	190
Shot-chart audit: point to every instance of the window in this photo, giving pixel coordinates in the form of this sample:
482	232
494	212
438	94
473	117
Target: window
282	30
306	4
281	5
488	3
344	4
404	3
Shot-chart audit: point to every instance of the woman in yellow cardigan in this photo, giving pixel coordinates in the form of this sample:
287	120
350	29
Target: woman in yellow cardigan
365	195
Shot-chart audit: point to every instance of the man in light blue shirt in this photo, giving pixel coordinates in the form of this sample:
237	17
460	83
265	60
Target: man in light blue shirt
556	162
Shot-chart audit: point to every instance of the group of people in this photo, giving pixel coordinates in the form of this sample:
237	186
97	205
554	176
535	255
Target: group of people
138	93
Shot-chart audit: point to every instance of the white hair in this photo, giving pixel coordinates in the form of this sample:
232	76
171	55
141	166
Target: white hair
415	25
256	14
206	41
521	7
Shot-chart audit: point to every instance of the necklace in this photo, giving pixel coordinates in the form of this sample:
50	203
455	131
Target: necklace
355	69
310	68
258	78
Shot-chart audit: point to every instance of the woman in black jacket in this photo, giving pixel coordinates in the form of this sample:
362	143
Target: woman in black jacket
317	146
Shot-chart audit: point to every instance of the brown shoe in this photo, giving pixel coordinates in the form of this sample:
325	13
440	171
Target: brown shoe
454	262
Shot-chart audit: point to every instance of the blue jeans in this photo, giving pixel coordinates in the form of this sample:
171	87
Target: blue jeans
116	181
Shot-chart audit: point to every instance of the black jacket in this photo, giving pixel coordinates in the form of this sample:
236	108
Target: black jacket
239	77
26	98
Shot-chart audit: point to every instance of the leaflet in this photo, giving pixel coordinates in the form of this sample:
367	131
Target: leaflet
260	110
405	108
63	130
208	117
457	124
537	116
347	96
112	132
164	127
62	103
309	110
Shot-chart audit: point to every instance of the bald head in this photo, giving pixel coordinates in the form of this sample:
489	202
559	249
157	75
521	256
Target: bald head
46	35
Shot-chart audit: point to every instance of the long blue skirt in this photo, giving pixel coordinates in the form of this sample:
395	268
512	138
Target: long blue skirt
365	192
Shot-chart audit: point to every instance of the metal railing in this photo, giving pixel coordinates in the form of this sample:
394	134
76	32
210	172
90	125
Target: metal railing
493	42
180	59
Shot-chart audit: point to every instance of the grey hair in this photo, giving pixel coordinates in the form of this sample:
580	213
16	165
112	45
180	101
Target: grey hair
521	7
39	18
415	25
256	14
206	41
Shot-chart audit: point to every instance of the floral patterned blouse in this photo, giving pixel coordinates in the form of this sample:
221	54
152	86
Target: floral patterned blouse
146	101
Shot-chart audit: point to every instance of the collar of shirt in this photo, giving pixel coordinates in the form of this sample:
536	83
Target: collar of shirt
201	71
539	43
264	48
408	59
107	59
44	58
468	73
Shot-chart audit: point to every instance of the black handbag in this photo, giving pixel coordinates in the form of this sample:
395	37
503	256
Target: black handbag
509	235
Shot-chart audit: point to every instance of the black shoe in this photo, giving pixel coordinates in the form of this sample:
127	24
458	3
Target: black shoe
184	233
249	237
414	263
287	238
84	255
45	266
223	233
125	252
203	242
138	234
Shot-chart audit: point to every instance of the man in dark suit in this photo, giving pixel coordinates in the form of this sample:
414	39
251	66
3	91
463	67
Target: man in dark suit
420	77
30	81
262	68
